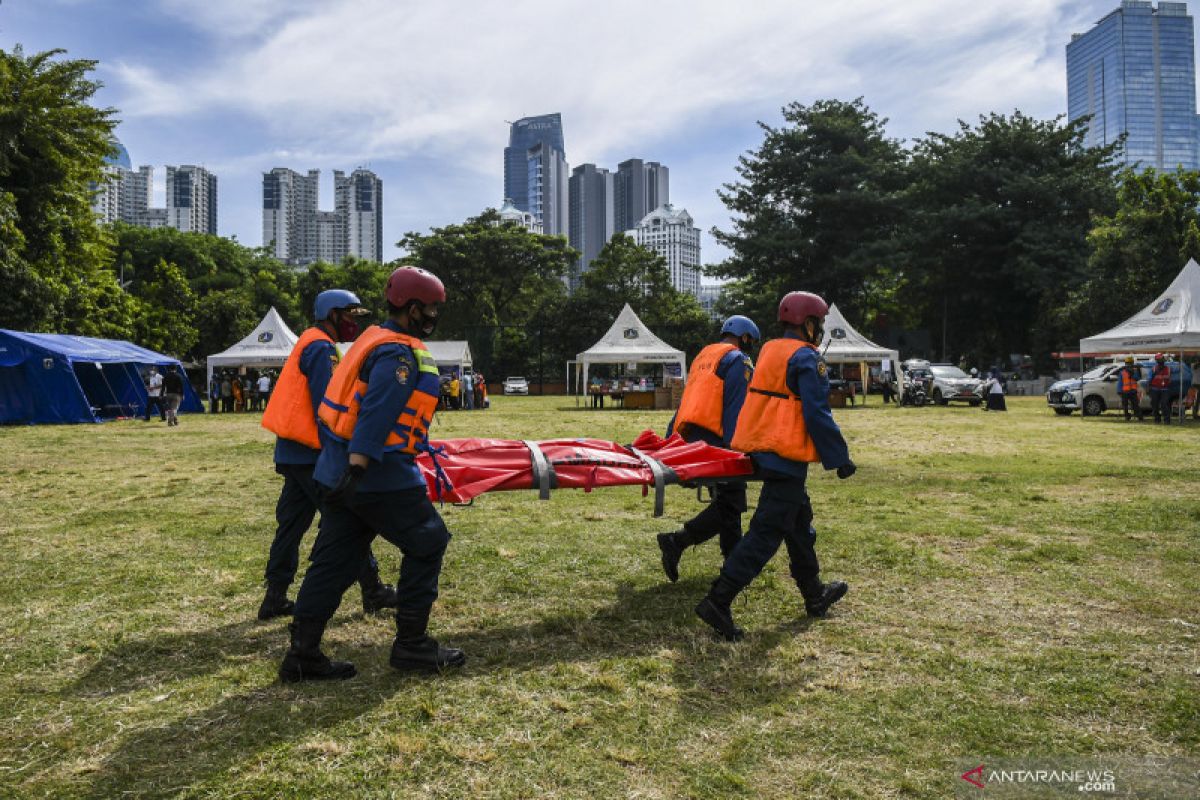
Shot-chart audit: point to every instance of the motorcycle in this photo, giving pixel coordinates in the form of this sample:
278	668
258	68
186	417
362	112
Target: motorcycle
913	392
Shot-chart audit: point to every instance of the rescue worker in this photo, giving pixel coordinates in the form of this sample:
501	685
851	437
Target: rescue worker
708	412
1127	378
1160	390
292	415
785	424
375	418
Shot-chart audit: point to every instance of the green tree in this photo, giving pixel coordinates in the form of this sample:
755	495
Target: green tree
815	209
166	307
997	232
1137	250
367	279
625	272
52	149
503	283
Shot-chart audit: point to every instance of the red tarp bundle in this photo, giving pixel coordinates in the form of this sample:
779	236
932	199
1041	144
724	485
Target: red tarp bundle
474	466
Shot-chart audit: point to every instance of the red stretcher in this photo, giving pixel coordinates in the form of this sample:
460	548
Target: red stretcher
459	470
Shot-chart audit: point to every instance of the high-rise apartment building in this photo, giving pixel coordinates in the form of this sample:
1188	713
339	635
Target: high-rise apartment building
299	233
191	199
358	198
125	194
1134	73
670	233
639	187
546	183
523	135
591	225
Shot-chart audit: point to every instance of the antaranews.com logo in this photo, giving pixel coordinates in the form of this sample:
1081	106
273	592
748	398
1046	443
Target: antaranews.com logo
1077	776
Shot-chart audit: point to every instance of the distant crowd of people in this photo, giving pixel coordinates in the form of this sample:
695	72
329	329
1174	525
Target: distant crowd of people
466	392
229	392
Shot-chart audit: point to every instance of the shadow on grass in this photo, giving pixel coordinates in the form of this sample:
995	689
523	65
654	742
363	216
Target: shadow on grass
196	747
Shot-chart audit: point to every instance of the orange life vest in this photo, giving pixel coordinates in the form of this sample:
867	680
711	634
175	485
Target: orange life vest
772	418
340	406
703	396
289	413
1128	382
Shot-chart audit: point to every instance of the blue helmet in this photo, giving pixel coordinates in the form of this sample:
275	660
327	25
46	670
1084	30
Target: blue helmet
332	299
739	326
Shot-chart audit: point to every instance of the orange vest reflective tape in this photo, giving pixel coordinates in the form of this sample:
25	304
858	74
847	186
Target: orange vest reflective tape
289	413
772	418
1128	382
340	406
703	396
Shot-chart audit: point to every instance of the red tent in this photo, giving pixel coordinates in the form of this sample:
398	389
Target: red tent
459	470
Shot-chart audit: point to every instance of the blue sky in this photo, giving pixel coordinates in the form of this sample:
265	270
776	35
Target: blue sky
419	92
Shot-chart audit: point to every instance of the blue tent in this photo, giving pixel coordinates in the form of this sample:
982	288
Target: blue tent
50	377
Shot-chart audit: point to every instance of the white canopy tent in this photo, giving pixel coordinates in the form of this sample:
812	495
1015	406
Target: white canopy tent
455	354
628	341
268	345
1170	323
842	344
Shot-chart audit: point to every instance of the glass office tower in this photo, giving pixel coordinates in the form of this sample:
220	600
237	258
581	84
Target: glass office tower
523	135
1135	73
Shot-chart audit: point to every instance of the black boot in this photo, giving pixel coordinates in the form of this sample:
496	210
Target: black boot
714	609
305	661
672	546
819	597
414	650
276	603
376	595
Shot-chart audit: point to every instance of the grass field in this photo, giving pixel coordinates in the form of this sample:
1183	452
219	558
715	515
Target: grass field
1020	584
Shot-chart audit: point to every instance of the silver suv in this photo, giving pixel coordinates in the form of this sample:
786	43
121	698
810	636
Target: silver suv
951	383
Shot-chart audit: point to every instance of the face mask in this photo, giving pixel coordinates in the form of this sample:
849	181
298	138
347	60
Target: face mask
746	345
347	328
425	323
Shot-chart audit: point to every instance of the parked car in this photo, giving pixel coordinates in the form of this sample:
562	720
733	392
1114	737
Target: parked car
1098	390
952	384
516	386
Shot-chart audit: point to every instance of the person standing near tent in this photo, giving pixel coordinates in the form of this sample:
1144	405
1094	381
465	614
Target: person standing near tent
226	393
1127	384
173	393
291	415
214	393
264	390
468	392
455	388
1160	390
708	411
375	418
785	424
154	394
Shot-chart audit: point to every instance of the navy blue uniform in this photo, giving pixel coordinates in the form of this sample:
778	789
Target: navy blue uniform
784	513
298	499
723	516
389	501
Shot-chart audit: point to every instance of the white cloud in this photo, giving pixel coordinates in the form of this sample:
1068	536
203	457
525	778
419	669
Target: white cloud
387	79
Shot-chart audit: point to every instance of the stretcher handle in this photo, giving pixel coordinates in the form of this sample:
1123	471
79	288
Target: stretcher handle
544	478
662	476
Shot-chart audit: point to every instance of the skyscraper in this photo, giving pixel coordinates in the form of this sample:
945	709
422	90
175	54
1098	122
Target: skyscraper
523	135
1134	73
359	200
639	187
124	195
591	216
191	199
299	233
546	182
669	232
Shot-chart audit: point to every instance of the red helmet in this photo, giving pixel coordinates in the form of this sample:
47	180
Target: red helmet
795	307
1159	357
413	283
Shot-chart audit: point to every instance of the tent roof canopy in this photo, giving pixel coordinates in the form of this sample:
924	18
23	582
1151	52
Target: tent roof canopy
842	344
628	341
450	352
1171	321
86	348
269	344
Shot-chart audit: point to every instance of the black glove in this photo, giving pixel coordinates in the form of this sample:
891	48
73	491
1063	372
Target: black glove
846	470
346	485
